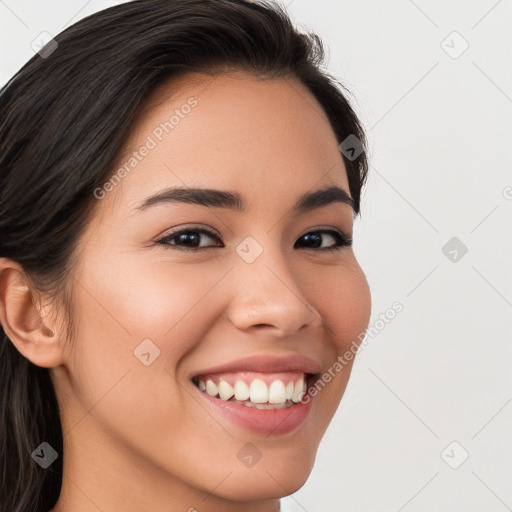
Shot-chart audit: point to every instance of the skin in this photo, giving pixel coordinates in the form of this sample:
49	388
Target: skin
134	438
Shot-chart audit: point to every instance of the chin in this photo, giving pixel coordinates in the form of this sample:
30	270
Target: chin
260	485
278	473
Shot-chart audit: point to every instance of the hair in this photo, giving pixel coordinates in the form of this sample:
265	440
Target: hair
65	116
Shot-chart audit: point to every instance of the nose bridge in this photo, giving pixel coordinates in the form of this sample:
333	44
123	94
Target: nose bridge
266	292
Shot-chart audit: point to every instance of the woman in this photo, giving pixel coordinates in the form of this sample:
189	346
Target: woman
176	272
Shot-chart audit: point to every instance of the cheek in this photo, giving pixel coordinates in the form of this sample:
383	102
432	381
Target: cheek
117	308
342	297
119	304
152	300
345	305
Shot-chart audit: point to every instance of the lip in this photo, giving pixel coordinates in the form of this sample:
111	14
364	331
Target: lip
260	421
265	364
264	422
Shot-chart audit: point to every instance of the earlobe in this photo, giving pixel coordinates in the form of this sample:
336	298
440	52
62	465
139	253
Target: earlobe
21	318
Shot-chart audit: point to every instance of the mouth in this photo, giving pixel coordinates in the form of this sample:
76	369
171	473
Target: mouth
261	394
262	391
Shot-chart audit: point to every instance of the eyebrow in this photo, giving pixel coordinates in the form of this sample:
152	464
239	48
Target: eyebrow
234	201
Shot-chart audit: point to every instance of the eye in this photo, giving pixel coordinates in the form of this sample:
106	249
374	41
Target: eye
189	239
314	239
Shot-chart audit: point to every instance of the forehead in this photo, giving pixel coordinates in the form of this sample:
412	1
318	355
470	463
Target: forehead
231	131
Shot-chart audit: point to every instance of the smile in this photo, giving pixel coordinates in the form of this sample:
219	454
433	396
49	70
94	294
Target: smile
258	390
266	395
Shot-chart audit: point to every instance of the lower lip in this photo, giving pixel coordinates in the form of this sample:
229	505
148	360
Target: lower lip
261	421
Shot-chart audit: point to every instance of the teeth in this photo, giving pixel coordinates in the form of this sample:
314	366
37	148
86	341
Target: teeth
298	391
258	392
225	390
277	392
241	390
211	388
289	390
266	406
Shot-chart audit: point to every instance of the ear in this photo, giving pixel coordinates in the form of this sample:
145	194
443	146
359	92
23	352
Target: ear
22	320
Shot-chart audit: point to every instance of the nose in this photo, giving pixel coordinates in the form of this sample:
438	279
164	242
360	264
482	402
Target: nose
268	298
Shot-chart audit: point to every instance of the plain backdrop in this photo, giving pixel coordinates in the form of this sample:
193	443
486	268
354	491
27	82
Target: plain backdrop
423	424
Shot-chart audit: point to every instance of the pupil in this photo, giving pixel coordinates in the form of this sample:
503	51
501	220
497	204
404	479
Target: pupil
315	238
187	238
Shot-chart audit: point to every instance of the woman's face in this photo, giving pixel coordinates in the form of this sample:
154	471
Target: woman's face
244	297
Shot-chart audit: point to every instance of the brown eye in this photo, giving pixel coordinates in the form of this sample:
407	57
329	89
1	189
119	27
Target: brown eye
188	239
314	239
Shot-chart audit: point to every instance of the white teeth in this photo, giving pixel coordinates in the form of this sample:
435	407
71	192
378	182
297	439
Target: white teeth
258	392
277	392
225	390
268	406
211	388
289	390
248	403
241	390
298	391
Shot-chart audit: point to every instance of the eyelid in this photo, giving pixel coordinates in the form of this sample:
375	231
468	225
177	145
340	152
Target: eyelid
327	228
186	227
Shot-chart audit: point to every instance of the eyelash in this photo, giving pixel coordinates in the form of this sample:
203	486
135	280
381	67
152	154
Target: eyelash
343	240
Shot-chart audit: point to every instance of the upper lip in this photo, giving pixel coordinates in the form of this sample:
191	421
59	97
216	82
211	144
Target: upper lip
265	364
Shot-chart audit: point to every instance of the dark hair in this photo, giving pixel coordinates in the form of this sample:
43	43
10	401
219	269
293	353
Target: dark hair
65	116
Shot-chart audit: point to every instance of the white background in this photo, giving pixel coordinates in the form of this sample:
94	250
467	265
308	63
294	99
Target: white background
440	132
